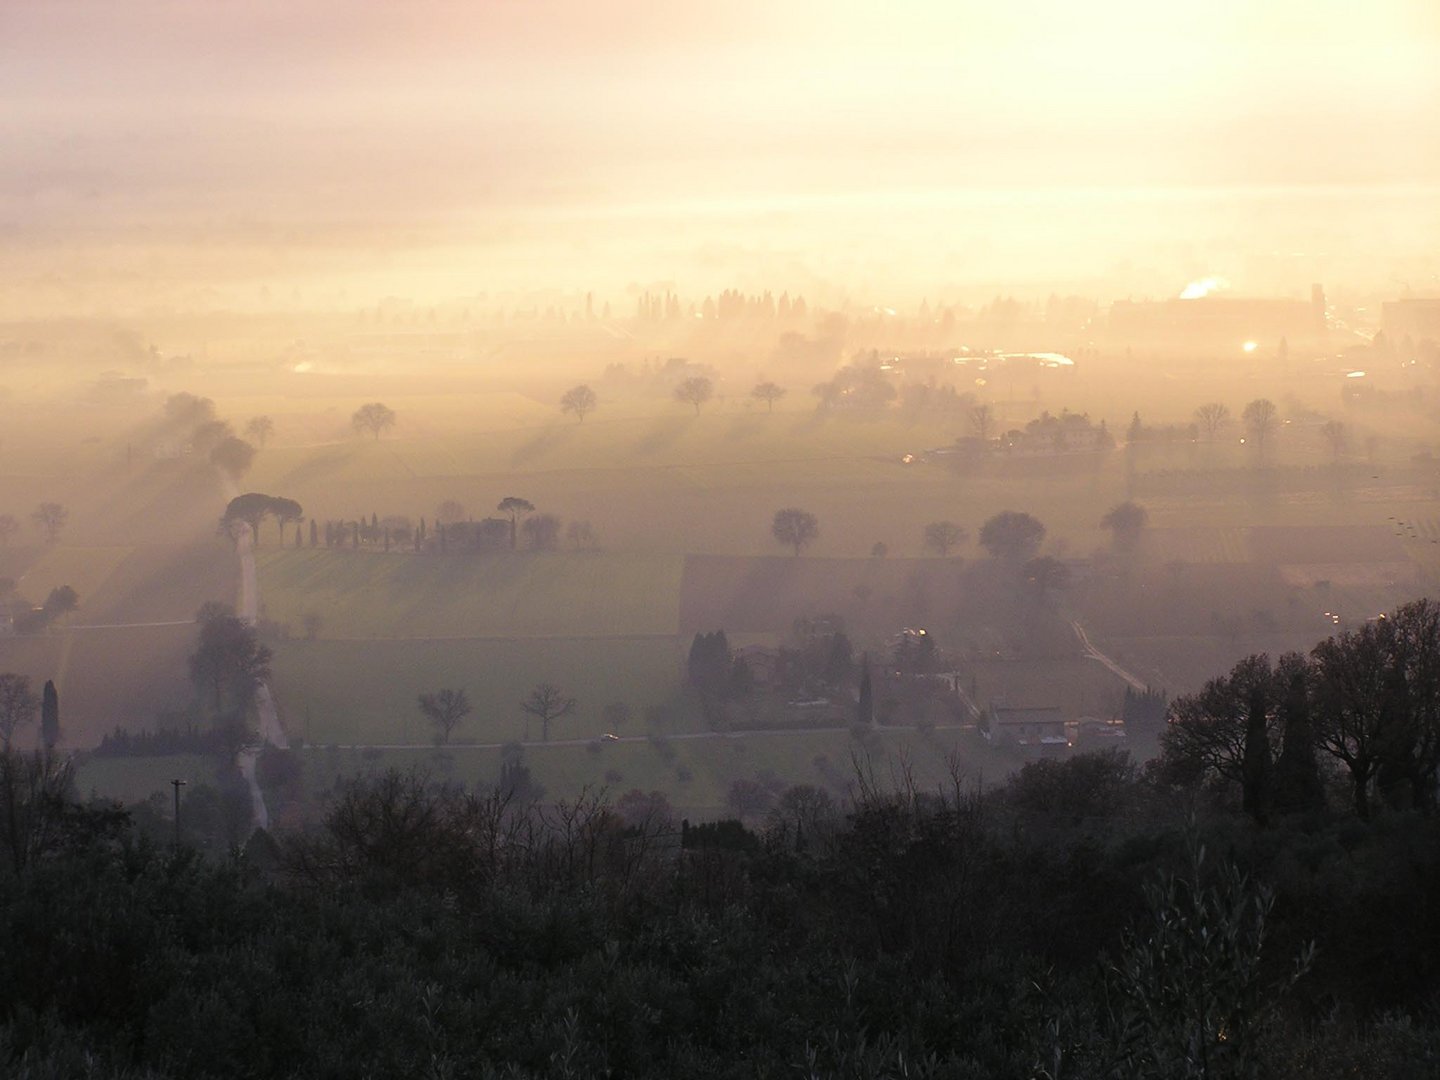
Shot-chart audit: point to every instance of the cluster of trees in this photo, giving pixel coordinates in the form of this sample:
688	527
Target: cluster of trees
1368	700
1068	923
252	508
48	517
18	709
861	388
28	618
1259	419
731	305
162	741
193	418
452	530
227	669
1066	433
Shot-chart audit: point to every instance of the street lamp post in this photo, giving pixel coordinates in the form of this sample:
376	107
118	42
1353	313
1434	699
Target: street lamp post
177	785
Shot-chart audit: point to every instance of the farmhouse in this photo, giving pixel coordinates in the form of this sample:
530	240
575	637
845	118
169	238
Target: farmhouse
1034	728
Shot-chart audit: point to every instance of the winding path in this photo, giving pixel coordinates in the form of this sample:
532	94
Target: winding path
1093	653
270	732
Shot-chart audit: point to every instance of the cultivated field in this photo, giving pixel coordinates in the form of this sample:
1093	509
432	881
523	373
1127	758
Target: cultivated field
358	692
362	594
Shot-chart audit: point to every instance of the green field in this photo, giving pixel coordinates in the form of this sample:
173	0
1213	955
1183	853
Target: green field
356	692
360	594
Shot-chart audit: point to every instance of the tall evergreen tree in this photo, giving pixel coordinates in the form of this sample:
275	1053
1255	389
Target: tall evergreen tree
50	716
866	712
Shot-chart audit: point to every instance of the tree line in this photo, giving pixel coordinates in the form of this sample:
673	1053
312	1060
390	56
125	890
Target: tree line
1367	700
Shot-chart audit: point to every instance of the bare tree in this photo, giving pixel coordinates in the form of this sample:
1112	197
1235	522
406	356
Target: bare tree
548	704
1259	417
1336	437
445	709
696	391
581	534
982	419
542	532
769	393
260	429
373	418
51	517
941	536
1212	416
579	400
17	707
449	512
795	527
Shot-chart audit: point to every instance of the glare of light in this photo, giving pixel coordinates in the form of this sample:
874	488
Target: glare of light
303	367
1197	290
1355	375
979	382
1249	346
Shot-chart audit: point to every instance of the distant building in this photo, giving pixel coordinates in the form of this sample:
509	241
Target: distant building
1219	324
1092	733
1042	728
1418	320
763	661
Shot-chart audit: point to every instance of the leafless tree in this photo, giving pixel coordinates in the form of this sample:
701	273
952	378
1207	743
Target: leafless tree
795	527
1212	416
579	400
445	709
1259	417
696	391
373	418
51	517
941	536
1336	437
769	393
260	429
547	703
982	419
17	706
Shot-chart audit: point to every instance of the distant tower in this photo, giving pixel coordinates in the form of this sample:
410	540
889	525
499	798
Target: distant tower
1317	304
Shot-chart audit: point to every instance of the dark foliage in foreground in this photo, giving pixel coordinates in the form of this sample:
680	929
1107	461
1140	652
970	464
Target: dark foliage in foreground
1068	926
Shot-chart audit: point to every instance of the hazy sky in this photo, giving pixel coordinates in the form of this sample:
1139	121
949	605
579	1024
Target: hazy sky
166	147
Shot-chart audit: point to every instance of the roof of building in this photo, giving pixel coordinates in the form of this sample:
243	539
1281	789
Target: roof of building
1046	714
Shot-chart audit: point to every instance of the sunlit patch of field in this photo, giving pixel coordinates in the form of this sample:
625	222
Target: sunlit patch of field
683	484
363	594
351	692
1196	545
162	584
84	569
105	677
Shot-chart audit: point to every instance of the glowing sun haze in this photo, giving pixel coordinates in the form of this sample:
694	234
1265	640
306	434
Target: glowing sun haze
181	151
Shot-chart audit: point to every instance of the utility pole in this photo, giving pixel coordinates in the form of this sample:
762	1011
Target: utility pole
177	785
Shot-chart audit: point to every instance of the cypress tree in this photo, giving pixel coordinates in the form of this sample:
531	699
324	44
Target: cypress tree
50	717
866	712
